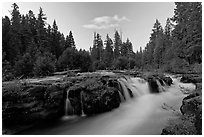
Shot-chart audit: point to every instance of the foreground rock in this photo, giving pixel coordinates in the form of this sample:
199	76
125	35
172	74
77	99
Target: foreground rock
93	96
25	103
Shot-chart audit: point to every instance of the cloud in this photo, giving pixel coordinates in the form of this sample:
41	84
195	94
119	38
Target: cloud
105	22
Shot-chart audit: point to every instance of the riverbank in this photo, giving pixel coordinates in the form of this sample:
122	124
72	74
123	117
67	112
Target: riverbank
189	122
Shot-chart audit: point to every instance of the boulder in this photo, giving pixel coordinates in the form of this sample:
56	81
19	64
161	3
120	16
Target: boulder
167	131
106	100
188	78
31	103
154	88
168	80
190	104
94	96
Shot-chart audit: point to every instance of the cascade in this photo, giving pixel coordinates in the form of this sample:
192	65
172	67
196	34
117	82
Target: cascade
161	88
124	88
68	106
82	109
133	87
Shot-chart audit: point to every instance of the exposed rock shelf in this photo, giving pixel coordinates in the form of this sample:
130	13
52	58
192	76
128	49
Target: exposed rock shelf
27	103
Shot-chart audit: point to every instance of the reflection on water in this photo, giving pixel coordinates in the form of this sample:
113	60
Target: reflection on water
146	114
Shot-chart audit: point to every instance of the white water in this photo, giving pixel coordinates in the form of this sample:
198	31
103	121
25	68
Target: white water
68	107
82	109
144	114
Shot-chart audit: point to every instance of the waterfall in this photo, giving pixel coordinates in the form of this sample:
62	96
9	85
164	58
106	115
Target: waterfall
68	107
121	97
124	88
141	86
133	87
82	108
160	87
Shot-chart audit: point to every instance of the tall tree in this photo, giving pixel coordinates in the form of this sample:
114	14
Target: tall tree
117	45
156	31
187	35
126	48
26	34
55	49
6	37
41	32
15	43
70	43
108	53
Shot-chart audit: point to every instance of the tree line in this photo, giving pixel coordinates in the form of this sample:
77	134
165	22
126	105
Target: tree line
176	47
31	47
179	45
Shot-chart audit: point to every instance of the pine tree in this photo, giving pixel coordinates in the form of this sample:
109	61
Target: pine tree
32	24
117	45
15	42
6	37
41	32
26	34
187	35
55	48
156	31
108	53
70	43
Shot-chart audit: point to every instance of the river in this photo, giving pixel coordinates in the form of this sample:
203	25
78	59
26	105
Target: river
145	114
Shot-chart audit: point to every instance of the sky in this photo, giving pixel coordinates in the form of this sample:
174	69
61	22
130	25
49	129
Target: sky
134	20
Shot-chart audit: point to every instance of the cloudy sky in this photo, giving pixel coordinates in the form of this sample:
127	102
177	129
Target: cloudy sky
134	19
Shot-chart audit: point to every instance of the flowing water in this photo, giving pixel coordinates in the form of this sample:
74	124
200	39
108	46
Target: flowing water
68	107
144	113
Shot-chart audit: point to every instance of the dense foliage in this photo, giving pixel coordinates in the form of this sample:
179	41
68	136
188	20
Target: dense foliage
31	47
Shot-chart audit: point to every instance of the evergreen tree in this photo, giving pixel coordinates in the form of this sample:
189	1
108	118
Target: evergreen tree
41	32
126	48
108	53
55	42
156	31
6	37
70	43
117	45
32	24
15	42
187	35
26	34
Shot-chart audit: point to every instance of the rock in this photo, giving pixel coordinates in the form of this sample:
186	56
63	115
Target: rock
168	80
54	99
153	80
74	95
188	78
104	79
94	95
154	88
167	131
32	103
191	103
106	100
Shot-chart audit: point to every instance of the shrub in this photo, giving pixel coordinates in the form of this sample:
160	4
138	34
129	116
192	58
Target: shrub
24	66
44	65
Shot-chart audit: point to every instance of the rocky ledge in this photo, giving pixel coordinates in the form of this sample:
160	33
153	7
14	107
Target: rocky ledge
32	101
28	103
